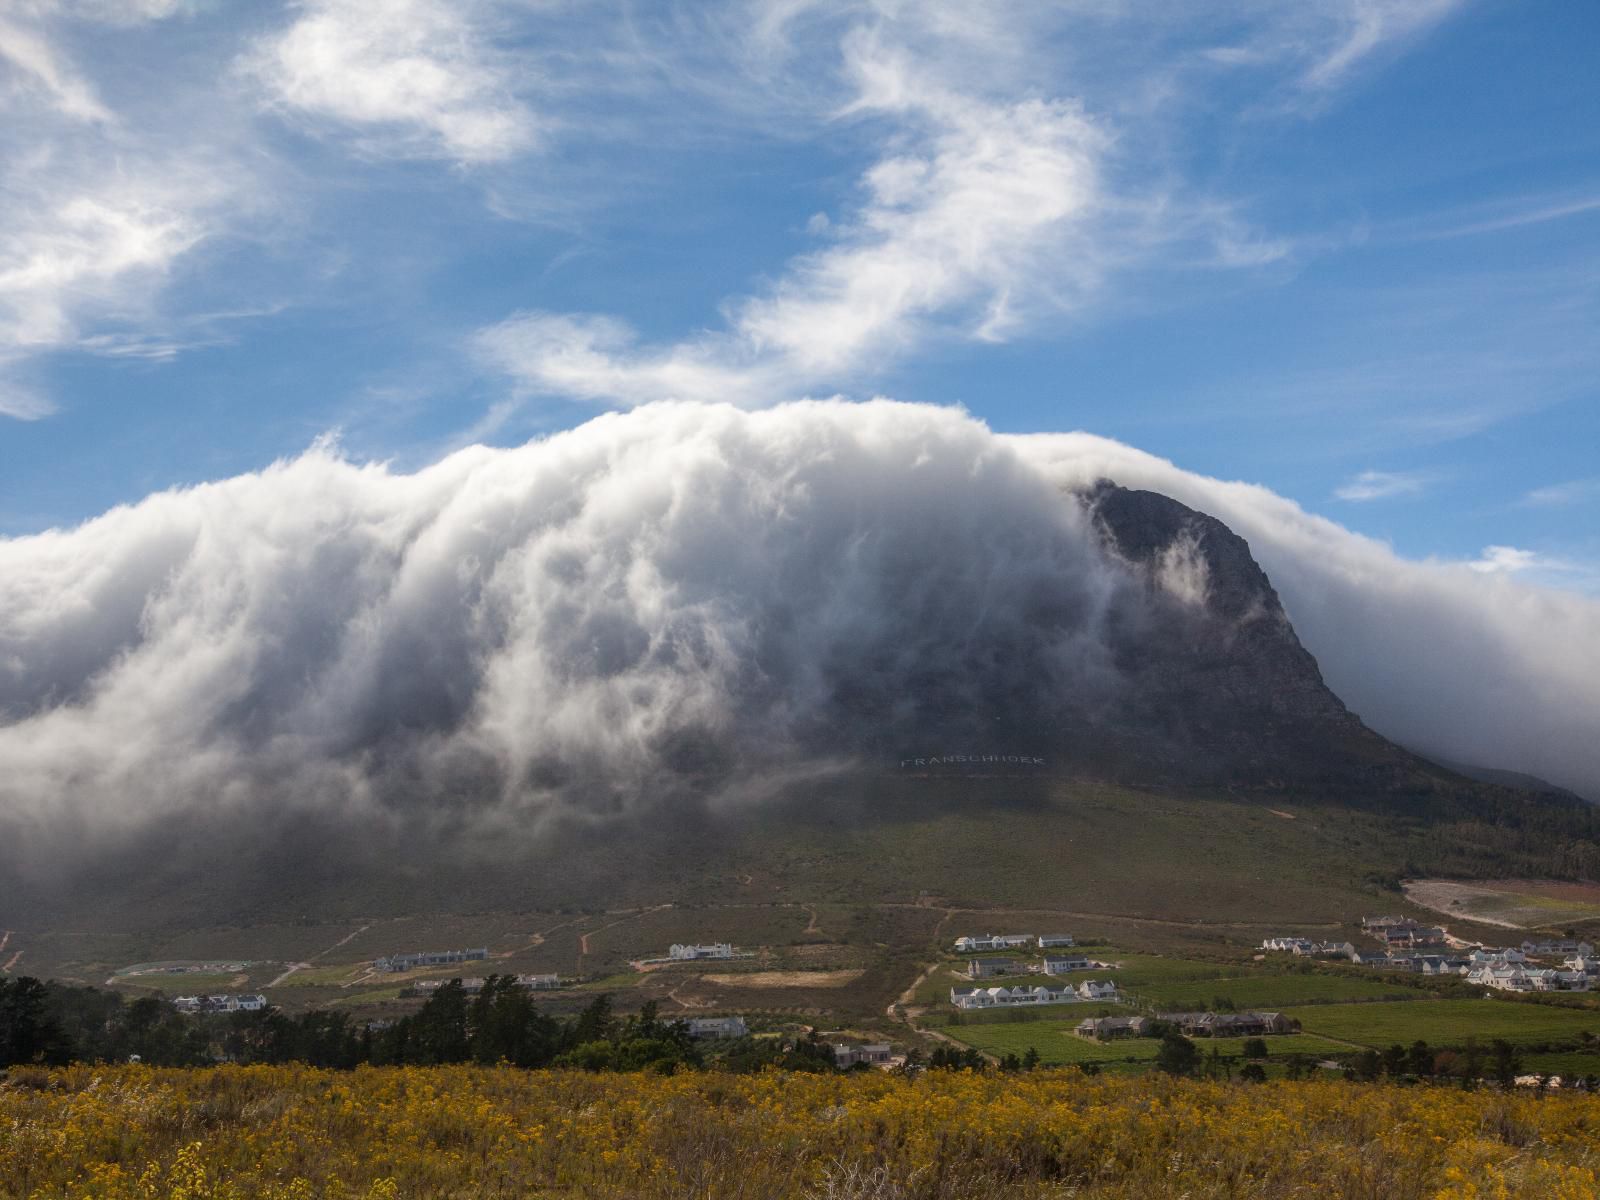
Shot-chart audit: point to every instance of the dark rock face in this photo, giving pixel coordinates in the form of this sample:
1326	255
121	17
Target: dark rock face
1218	689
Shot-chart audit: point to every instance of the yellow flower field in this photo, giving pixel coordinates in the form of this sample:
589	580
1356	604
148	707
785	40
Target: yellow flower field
282	1132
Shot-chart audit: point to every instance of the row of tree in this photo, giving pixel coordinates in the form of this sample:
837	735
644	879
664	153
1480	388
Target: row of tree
54	1024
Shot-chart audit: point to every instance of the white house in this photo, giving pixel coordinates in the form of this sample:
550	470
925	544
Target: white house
683	953
1547	949
1076	962
993	941
991	968
1288	944
1097	989
1047	940
1004	997
717	1027
1528	979
539	983
1483	955
220	1003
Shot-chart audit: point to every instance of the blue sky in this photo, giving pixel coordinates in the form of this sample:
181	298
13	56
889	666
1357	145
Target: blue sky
1349	250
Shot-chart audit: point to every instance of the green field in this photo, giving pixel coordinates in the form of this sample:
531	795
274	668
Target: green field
1056	1043
326	976
184	985
1270	991
1445	1022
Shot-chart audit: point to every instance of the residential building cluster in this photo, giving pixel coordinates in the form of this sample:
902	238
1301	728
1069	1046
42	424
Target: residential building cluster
428	958
1011	941
1402	932
1578	973
219	1004
1407	945
1090	990
1052	964
1306	948
683	953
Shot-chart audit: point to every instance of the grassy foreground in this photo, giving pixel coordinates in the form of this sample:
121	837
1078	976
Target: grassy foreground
301	1133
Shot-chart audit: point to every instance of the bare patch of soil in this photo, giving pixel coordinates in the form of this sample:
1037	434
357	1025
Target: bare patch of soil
1508	903
786	979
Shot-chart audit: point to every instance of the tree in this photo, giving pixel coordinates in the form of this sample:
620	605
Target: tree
1471	1064
1030	1060
594	1022
438	1031
1177	1054
953	1058
1253	1072
1419	1059
1255	1047
1394	1060
29	1032
1507	1062
1367	1066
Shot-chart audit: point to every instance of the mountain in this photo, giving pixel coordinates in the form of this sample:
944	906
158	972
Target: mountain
1177	679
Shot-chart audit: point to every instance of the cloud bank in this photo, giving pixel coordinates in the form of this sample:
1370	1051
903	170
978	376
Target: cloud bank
683	599
679	600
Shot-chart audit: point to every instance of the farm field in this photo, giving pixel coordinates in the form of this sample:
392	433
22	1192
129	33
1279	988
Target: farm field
184	985
1262	990
1445	1022
283	1133
1515	903
1057	1044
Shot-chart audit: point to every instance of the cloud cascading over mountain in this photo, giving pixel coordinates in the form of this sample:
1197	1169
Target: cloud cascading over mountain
680	599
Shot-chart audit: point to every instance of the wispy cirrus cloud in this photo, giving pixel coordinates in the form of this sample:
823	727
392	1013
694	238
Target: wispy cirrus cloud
1559	495
412	77
1363	28
1004	192
100	208
1381	485
39	65
972	209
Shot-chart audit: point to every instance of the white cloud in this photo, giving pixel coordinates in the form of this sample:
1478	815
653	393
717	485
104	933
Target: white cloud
1365	26
676	592
83	253
1506	560
1380	485
978	214
1560	495
422	74
19	401
31	54
100	203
